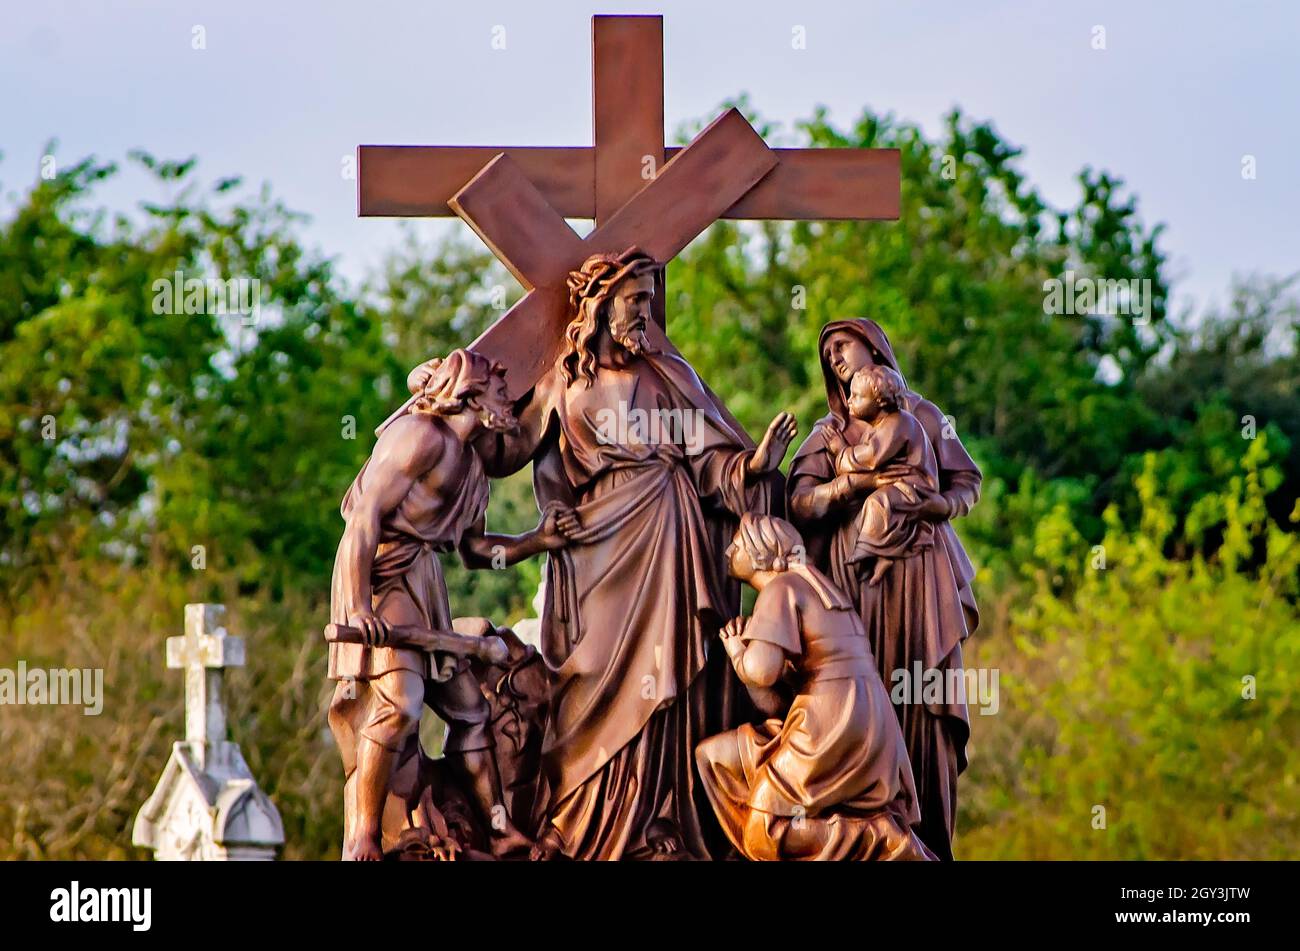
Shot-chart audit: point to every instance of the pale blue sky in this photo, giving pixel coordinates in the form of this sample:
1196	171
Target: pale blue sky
285	89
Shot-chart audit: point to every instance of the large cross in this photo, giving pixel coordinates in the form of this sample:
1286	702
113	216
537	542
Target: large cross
204	653
637	190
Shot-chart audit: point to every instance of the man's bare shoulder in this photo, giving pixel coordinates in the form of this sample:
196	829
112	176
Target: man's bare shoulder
414	443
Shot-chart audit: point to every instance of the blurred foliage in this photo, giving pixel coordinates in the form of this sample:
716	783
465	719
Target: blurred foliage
1153	712
128	437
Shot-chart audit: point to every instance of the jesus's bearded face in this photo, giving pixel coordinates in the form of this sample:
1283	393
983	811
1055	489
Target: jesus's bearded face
628	311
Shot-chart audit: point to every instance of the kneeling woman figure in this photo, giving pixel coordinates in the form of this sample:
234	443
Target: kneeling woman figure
828	776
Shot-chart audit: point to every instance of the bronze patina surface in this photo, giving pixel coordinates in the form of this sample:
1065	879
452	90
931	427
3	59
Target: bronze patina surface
652	721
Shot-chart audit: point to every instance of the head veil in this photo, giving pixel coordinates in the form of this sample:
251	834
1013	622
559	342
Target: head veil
870	333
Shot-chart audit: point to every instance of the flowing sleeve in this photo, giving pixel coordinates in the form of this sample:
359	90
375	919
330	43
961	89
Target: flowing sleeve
959	476
811	462
776	619
716	454
720	476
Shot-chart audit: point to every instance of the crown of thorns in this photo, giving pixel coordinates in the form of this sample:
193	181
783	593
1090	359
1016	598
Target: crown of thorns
602	271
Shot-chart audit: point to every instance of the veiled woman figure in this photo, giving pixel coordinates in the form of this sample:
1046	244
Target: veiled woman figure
917	616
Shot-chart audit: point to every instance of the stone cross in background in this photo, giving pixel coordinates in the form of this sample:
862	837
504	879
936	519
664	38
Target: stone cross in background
204	652
207	806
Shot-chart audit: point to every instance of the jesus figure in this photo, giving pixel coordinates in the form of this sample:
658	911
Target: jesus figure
641	588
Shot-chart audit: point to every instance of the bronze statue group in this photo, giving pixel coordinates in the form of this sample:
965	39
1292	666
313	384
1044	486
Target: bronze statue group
654	720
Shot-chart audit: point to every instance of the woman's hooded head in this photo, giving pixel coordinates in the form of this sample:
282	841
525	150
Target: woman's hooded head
870	334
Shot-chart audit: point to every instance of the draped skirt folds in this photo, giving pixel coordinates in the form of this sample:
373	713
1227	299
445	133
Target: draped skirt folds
633	600
916	620
733	768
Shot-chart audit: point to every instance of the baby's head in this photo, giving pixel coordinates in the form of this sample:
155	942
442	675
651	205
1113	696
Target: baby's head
875	389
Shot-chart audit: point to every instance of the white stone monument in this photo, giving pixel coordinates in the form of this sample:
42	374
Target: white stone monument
207	806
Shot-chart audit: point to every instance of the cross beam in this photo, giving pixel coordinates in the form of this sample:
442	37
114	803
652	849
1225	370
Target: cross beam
539	248
638	192
532	239
418	181
628	125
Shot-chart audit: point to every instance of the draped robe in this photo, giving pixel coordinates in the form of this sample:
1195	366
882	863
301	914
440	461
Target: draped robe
925	608
632	603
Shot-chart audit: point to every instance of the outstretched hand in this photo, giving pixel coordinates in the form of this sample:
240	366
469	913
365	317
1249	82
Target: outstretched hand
780	433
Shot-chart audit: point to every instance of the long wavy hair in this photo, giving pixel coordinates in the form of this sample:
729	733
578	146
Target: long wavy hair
590	287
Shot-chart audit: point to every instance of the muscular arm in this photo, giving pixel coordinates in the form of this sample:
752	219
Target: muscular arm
504	454
481	549
406	450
